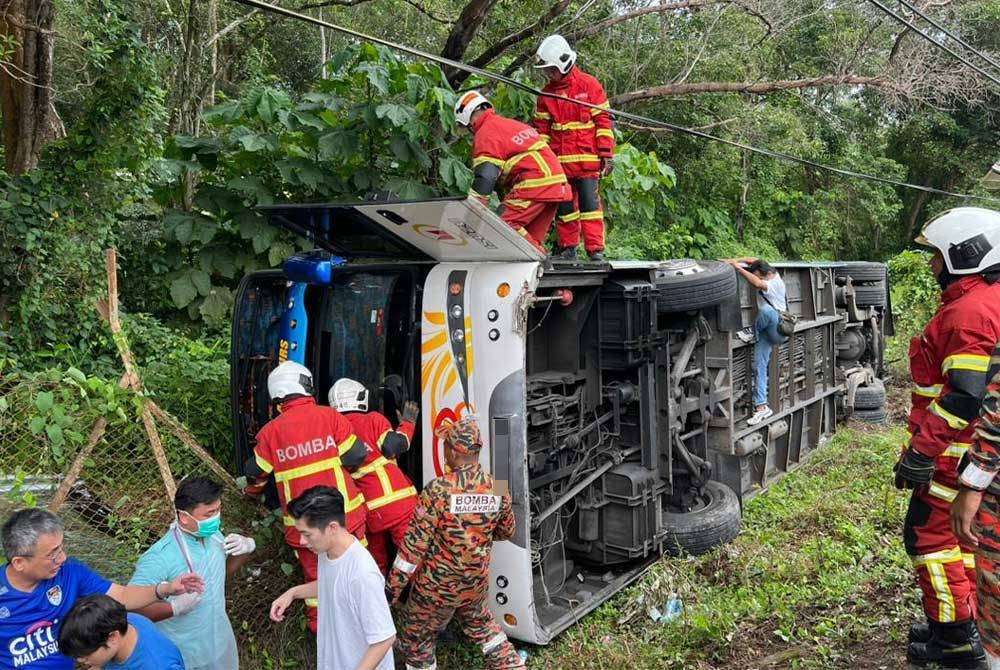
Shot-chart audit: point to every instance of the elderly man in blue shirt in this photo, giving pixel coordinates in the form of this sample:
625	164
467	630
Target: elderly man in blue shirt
197	623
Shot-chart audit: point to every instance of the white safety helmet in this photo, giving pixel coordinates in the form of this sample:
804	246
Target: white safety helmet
967	237
289	378
468	103
554	51
348	395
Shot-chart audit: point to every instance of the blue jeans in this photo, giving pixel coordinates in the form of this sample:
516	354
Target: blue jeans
766	329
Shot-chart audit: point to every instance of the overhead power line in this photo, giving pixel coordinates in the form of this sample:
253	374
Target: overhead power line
913	8
637	118
939	45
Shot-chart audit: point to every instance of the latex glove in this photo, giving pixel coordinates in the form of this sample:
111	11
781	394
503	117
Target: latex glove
184	603
913	469
410	412
239	545
607	166
187	583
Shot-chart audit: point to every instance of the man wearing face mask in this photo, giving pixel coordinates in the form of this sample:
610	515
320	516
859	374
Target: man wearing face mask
948	364
196	623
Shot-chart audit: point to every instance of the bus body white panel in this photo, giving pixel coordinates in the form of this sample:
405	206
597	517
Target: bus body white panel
473	363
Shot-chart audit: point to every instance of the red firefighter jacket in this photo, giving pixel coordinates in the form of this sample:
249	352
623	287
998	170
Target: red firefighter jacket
528	168
389	493
948	365
304	447
579	135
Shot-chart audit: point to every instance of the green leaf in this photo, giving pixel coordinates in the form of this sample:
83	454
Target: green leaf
201	281
277	254
55	433
287	569
36	425
337	144
183	291
215	307
377	76
44	401
76	375
399	115
270	102
254	143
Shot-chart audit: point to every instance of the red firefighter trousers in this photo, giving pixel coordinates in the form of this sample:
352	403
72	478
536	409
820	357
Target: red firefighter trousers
530	218
945	571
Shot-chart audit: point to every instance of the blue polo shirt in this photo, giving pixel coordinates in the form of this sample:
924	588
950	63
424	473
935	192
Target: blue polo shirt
152	650
30	622
203	635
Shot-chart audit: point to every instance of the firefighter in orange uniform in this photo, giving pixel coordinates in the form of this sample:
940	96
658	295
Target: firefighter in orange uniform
389	494
948	364
446	556
582	138
306	445
512	154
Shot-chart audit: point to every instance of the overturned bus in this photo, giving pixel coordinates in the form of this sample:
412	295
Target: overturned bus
613	396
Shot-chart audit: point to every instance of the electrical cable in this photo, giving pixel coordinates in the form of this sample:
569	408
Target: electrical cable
257	4
930	39
968	47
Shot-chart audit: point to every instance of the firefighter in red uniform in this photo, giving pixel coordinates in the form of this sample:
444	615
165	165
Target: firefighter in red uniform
583	139
389	494
948	364
513	154
306	445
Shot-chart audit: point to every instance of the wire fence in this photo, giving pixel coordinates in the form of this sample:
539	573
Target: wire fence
119	505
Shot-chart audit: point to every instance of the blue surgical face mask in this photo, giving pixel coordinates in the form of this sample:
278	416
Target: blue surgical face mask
208	527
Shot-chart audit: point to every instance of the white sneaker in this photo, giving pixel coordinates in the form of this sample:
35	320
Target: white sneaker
759	416
746	335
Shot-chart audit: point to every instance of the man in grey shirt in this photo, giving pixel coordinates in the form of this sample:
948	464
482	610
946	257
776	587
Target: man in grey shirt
770	302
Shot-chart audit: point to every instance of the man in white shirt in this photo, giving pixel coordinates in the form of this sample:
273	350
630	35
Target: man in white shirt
770	302
355	629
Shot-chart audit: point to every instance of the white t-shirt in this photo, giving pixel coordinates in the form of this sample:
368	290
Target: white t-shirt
775	293
353	612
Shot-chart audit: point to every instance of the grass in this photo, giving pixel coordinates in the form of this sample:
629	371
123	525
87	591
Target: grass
817	579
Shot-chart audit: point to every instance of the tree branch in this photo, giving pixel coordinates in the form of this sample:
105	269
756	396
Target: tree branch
595	28
494	51
469	21
330	3
429	14
671	90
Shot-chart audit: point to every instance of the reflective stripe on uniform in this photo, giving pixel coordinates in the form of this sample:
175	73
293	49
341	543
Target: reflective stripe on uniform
542	115
516	202
596	215
603	106
954	422
942	492
969	561
572	216
479	160
935	565
404	565
578	158
956	449
495	642
928	391
389	496
262	462
973	362
312	602
573	125
332	464
606	132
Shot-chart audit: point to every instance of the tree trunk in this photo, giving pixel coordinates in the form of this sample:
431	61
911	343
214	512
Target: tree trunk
463	32
26	81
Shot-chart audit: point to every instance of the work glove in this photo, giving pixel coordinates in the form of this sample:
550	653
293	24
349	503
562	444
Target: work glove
607	166
394	585
239	545
184	603
409	413
913	469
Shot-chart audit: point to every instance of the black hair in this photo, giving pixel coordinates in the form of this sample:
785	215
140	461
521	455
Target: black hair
761	266
318	506
89	624
197	490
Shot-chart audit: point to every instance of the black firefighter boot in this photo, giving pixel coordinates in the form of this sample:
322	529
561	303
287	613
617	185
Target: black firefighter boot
950	645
